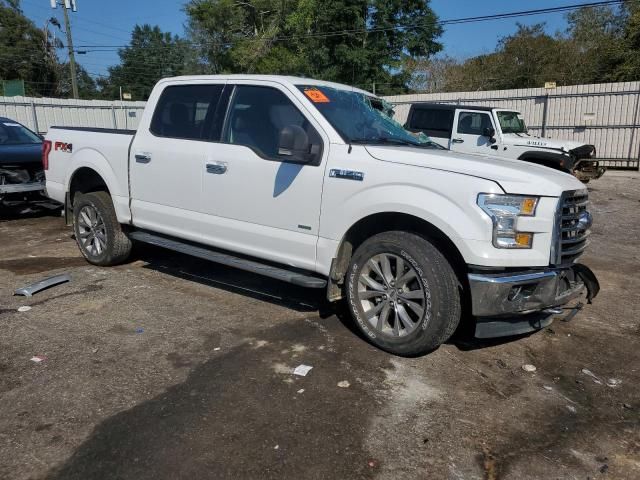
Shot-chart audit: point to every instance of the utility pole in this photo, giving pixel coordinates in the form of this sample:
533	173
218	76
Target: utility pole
66	5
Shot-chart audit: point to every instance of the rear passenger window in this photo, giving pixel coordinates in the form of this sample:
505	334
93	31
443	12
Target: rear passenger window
188	112
473	123
436	121
258	114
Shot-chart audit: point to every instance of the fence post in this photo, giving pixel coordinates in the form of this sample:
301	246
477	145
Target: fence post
34	117
634	130
545	111
113	114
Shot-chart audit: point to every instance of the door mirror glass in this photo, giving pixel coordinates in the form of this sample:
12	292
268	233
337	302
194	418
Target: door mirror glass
294	145
490	132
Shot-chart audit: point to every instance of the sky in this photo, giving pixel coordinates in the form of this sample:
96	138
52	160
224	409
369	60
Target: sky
109	22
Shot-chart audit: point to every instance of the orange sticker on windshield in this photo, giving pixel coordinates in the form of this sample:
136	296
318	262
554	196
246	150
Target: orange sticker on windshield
316	96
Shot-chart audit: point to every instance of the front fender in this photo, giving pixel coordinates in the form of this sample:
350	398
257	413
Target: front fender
557	160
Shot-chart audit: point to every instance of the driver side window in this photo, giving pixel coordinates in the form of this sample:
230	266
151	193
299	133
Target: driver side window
256	117
473	123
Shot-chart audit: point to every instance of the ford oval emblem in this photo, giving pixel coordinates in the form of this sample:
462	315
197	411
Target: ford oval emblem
585	220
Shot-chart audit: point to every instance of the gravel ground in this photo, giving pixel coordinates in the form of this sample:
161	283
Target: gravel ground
169	367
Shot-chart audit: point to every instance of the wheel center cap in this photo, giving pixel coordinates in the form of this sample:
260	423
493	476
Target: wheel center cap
393	294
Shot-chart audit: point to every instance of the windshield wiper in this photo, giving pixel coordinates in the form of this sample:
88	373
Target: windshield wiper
389	141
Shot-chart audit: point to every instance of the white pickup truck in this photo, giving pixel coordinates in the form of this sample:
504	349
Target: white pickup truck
309	182
502	133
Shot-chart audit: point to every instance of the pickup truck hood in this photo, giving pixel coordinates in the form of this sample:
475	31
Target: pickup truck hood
514	176
526	140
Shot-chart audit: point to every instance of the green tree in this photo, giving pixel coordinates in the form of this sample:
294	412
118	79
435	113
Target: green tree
151	55
25	52
629	68
357	42
87	87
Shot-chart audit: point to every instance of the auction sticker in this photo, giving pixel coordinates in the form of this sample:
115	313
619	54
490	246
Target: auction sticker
316	96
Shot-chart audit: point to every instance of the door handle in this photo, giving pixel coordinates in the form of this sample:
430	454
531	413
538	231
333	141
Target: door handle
143	157
457	140
494	147
217	168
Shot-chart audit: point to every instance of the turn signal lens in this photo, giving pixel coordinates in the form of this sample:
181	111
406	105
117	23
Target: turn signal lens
528	206
524	240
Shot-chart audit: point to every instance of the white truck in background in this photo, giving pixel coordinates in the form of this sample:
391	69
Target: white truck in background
502	133
309	182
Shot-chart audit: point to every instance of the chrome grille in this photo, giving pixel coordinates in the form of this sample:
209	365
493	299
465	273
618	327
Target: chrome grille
573	221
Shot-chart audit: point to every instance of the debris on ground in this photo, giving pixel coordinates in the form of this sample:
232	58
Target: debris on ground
24	309
301	391
302	370
589	373
501	363
38	359
547	388
529	368
33	288
571	408
372	463
139	330
216	349
344	384
627	406
613	382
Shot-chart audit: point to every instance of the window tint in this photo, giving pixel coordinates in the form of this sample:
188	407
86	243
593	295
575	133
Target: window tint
188	112
473	123
436	119
257	116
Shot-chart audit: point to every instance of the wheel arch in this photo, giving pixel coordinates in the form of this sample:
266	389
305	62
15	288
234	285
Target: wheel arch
557	161
384	222
84	180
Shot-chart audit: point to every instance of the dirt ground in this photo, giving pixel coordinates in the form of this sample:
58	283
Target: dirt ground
169	367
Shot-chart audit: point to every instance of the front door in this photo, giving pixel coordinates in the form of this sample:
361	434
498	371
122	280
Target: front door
258	203
469	130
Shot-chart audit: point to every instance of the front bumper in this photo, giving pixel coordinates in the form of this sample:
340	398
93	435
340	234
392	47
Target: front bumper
521	302
21	187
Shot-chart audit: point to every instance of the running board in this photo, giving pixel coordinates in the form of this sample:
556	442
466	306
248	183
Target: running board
229	260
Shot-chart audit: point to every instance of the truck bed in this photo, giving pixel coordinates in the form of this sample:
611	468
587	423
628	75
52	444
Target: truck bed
103	150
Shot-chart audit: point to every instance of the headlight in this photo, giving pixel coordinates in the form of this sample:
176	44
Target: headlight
504	211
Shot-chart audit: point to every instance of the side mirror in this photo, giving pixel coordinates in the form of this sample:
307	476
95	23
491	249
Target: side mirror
294	145
491	133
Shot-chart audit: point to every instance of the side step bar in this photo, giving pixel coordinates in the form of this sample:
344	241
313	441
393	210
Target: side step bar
277	273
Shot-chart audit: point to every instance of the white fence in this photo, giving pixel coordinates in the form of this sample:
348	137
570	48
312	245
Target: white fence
41	113
606	115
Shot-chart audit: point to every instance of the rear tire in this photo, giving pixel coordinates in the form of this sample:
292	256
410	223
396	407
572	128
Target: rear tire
403	294
98	232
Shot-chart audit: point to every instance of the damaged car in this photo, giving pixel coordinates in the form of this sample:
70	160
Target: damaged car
21	171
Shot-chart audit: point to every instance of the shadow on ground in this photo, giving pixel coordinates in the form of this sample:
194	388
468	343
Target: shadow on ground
242	414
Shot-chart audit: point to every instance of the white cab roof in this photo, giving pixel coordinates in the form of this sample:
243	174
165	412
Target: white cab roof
282	79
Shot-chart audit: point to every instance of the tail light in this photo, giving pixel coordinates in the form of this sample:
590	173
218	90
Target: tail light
46	150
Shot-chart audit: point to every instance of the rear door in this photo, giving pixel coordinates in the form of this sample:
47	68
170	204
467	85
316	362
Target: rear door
469	129
168	159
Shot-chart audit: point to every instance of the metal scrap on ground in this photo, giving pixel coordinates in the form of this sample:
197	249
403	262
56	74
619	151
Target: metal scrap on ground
32	289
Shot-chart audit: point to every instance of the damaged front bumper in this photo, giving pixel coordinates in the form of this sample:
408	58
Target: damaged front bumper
21	187
16	180
521	302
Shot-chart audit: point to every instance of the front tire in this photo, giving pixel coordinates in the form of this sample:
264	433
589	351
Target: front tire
403	294
97	230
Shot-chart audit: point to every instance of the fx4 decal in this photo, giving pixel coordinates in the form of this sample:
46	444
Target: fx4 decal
63	147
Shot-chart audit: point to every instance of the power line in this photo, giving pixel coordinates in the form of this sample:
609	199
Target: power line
454	21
